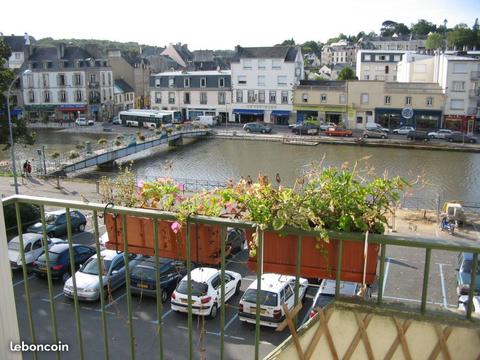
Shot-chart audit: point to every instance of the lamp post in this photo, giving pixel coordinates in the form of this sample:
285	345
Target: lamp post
12	149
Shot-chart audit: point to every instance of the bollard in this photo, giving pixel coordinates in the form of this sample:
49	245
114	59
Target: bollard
58	182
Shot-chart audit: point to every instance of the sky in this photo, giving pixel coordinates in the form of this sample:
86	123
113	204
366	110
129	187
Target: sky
216	24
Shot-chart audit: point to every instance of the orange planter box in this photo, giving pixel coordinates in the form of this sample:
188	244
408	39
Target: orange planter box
280	256
205	240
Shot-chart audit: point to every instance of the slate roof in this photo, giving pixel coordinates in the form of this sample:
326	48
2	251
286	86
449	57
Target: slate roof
133	58
203	55
184	53
50	53
400	38
288	53
122	85
16	42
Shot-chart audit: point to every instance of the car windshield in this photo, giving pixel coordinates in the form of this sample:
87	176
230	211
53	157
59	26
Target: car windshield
198	289
14	245
144	273
52	257
323	300
91	266
467	266
267	298
50	219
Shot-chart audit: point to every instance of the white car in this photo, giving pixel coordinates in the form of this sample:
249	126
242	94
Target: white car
88	286
275	291
403	130
32	247
463	301
326	293
440	134
116	121
205	291
82	121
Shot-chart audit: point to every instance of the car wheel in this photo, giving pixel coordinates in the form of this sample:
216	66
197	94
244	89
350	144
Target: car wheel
472	141
65	277
213	312
450	140
432	137
384	137
247	130
365	136
51	234
237	288
409	138
263	131
164	295
81	227
395	133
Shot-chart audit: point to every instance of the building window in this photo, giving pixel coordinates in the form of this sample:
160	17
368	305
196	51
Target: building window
239	96
186	82
364	98
104	95
261	96
251	96
261	80
323	98
458	85
157	83
221	98
305	97
247	64
93	78
281	80
103	78
203	98
61	80
29	80
31	96
262	64
171	97
242	80
62	96
78	96
158	97
342	99
171	82
273	97
359	120
397	58
367	57
388	100
203	82
45	80
186	98
460	68
429	101
46	96
109	78
381	57
284	97
408	100
456	104
221	82
276	64
387	69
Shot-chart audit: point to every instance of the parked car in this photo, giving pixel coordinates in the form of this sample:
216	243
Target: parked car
375	133
56	223
326	292
418	135
275	291
463	303
206	120
439	134
257	127
205	291
457	136
236	240
403	130
375	126
302	129
326	126
83	121
116	120
32	248
338	132
88	286
144	275
59	260
465	262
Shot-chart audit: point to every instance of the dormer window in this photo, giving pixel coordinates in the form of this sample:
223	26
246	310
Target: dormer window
203	82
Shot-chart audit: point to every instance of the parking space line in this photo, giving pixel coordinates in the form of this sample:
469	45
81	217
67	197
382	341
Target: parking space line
21	281
444	290
386	275
415	300
230	322
115	300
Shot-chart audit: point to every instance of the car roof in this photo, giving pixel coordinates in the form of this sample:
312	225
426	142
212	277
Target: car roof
27	237
273	282
108	254
346	287
56	212
203	274
58	248
150	262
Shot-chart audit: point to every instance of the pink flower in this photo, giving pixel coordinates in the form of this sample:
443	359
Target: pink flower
175	227
181	187
140	184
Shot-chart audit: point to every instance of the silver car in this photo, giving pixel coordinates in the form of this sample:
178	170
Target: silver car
375	133
403	130
440	134
88	287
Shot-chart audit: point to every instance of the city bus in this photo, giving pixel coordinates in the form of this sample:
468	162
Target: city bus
145	118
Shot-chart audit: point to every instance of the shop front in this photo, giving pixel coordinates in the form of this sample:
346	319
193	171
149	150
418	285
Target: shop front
196	112
244	116
40	112
464	123
69	112
280	117
427	120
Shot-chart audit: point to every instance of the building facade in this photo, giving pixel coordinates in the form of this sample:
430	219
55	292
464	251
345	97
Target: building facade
194	93
263	80
339	54
378	64
400	43
124	96
66	81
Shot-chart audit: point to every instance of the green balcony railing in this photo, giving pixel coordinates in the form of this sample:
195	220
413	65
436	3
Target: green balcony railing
427	245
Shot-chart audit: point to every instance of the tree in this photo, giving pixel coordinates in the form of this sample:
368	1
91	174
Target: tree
434	41
20	130
461	36
346	74
423	27
402	29
312	46
287	42
390	27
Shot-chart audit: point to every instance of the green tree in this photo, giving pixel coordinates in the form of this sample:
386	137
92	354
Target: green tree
288	42
423	27
312	46
346	74
461	36
390	27
20	130
434	41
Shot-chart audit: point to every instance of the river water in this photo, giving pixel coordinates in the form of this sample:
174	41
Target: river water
453	175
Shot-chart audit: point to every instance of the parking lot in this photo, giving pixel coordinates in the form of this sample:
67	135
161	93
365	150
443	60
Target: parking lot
403	282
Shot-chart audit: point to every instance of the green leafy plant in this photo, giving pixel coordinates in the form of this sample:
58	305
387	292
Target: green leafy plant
102	141
80	146
118	142
73	155
121	190
55	155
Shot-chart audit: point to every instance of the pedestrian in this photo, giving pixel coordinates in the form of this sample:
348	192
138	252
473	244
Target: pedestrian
25	166
29	168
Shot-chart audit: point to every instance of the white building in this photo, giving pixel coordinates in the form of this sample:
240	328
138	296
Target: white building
195	93
378	64
263	79
124	96
339	53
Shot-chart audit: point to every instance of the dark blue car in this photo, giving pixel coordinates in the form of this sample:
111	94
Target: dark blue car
465	262
143	277
59	261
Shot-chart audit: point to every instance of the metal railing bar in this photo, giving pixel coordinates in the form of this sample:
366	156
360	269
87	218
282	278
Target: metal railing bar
473	285
426	275
189	290
297	273
25	279
100	283
223	238
49	279
158	289
74	282
339	268
381	277
127	285
259	234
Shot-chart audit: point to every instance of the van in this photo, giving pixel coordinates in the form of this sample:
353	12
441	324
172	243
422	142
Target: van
207	120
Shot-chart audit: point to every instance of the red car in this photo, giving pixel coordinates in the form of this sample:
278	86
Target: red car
338	132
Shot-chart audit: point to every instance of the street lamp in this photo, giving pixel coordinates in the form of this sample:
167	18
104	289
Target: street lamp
12	150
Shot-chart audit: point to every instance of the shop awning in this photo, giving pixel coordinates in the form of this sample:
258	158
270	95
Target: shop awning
248	111
281	113
71	108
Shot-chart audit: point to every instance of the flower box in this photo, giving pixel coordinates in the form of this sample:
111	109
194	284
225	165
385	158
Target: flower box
205	239
280	256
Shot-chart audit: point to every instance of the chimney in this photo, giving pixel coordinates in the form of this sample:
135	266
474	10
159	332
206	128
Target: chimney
60	50
27	51
27	39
